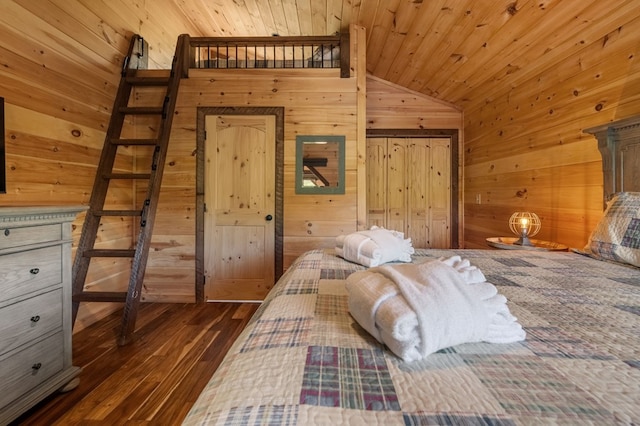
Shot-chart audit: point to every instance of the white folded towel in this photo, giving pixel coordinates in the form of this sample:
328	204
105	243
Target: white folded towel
374	247
418	309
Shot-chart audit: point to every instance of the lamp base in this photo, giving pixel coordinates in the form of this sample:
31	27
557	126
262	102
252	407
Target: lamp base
523	241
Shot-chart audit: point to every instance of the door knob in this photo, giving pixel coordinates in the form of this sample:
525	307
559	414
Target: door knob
268	218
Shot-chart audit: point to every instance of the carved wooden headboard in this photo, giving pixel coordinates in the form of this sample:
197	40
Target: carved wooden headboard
619	144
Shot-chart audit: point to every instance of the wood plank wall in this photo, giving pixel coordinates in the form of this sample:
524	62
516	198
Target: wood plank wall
58	95
60	70
393	107
316	102
524	145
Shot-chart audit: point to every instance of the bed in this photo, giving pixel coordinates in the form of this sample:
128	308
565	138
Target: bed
303	359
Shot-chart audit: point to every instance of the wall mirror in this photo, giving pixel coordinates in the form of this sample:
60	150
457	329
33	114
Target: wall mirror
320	164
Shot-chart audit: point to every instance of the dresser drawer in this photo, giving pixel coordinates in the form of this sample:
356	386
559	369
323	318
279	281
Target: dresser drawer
15	237
28	271
30	319
26	369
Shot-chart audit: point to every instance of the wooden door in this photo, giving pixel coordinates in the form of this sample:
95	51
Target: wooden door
409	188
440	192
376	182
397	185
419	191
239	219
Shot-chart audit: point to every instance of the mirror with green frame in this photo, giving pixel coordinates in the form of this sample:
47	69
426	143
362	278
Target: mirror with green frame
320	164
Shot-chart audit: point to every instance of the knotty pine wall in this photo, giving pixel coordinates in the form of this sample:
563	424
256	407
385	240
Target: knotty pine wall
316	102
60	67
393	107
59	79
525	148
59	71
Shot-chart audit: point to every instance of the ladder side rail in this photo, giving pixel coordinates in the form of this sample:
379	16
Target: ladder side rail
100	185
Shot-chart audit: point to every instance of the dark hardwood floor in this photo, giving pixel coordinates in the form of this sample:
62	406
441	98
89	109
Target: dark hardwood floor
155	379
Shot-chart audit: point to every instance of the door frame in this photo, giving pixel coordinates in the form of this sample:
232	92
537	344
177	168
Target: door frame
202	113
434	133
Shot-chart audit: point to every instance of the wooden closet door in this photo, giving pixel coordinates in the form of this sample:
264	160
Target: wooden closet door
376	182
409	189
418	192
440	193
397	185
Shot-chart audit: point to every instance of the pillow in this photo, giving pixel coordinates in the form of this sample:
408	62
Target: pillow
617	235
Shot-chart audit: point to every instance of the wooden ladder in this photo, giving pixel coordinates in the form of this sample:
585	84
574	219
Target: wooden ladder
135	60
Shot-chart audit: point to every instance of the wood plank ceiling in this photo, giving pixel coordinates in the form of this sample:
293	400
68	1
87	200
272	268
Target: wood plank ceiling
460	51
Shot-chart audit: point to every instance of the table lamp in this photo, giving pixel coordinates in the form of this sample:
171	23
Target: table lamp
524	225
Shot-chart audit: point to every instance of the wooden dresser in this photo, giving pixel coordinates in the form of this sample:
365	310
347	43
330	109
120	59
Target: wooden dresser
35	306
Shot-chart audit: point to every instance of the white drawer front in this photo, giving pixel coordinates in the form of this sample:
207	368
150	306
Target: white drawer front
15	237
28	271
30	319
26	369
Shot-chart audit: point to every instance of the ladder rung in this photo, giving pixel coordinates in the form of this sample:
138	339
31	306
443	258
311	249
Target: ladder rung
134	141
148	81
109	253
127	176
100	296
141	110
118	213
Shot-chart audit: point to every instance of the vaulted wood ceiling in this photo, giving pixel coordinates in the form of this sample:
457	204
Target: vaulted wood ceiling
460	51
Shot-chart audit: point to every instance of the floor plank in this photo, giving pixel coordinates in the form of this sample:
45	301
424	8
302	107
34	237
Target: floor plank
153	380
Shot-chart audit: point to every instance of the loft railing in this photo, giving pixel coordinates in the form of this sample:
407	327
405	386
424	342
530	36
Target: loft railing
270	52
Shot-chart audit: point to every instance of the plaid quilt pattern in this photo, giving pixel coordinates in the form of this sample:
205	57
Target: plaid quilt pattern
303	360
631	236
421	419
263	414
528	387
554	342
348	378
277	333
332	305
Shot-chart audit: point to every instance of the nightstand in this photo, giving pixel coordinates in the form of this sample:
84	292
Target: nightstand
507	243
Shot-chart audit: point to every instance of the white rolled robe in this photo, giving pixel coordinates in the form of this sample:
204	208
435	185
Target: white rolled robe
418	309
374	247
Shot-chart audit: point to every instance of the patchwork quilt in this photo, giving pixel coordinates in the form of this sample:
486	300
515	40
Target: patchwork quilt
304	360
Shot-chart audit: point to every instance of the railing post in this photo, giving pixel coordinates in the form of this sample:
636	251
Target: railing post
345	66
188	55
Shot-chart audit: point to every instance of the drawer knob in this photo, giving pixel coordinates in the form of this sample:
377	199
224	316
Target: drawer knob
34	271
7	232
37	366
35	318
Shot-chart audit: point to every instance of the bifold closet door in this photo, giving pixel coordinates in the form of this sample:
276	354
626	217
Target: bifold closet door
376	182
408	188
